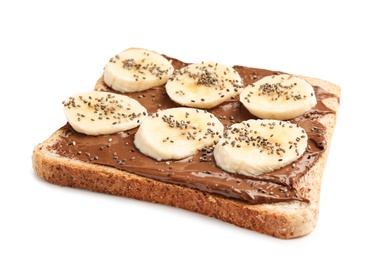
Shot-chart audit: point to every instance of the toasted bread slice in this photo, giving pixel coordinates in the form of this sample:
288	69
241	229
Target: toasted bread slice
288	219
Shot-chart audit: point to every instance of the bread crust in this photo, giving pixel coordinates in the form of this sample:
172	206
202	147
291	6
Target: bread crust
282	220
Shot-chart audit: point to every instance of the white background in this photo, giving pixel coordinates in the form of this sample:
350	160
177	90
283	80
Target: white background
51	50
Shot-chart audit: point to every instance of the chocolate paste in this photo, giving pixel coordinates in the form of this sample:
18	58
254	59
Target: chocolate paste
200	171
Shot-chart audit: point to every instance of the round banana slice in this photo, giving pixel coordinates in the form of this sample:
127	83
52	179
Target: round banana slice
137	70
278	97
100	113
204	85
177	133
259	146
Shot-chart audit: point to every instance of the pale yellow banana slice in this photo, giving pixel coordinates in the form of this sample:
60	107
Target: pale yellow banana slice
177	133
254	147
100	113
278	97
137	70
204	85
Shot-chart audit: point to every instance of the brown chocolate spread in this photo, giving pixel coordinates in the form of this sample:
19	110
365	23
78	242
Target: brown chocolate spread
200	171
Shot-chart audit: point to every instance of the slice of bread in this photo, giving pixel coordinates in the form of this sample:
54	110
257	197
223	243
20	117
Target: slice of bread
282	219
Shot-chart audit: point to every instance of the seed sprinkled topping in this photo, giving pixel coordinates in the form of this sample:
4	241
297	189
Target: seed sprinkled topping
207	78
141	67
190	129
204	85
208	75
264	141
107	107
278	90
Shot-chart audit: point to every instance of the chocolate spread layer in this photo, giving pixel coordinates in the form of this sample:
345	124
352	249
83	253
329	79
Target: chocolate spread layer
200	171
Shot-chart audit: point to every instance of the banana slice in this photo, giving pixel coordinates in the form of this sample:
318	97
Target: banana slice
203	85
254	147
278	97
177	133
100	113
137	70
